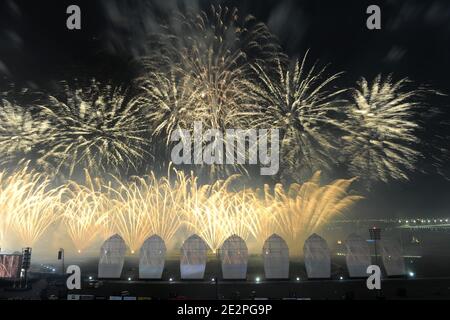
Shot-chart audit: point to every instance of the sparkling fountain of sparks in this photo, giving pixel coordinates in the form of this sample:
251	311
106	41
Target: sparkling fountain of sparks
147	206
209	212
215	213
86	212
8	201
302	210
34	205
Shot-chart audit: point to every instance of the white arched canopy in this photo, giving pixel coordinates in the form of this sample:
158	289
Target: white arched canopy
358	256
317	258
152	258
276	258
234	258
112	258
193	258
392	256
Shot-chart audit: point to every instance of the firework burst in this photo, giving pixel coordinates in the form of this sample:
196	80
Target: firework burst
303	104
383	144
207	58
21	135
98	128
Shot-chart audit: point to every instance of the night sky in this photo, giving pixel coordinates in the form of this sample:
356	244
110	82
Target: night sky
37	50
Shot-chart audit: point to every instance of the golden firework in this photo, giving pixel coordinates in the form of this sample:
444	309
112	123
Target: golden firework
303	104
34	205
383	143
302	210
205	74
85	213
96	127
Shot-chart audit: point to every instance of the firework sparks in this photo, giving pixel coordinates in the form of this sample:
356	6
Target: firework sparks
208	59
303	104
303	209
214	213
21	135
151	206
33	204
97	128
85	212
145	207
383	143
8	201
130	216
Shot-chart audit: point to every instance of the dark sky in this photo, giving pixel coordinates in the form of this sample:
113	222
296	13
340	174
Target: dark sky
36	49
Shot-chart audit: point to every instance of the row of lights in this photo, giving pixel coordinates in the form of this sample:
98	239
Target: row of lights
258	279
424	221
52	269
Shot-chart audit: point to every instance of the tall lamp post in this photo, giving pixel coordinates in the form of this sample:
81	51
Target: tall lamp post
61	258
26	263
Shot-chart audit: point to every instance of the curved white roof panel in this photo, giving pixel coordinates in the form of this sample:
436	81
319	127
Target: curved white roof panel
392	256
358	256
